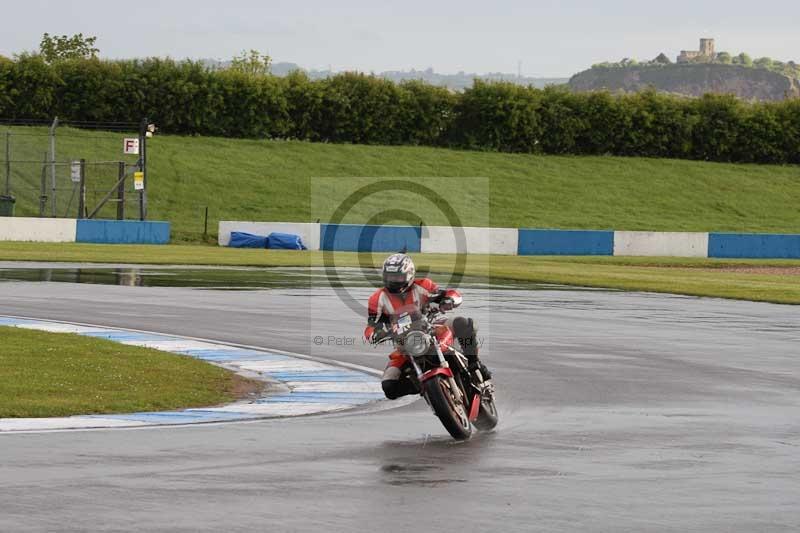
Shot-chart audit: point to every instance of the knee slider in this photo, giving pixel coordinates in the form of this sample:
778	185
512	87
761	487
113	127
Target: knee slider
391	388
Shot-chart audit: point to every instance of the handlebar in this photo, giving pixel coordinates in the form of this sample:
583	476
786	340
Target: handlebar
381	335
432	312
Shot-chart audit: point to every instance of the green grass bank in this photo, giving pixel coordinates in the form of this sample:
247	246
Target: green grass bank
56	374
278	180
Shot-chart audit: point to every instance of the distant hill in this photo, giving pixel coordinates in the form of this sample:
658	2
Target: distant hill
690	79
458	81
463	80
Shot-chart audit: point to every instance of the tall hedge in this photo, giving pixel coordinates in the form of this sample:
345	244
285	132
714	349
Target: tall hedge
188	98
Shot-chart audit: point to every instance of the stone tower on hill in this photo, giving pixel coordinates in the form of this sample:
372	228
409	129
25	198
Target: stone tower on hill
706	52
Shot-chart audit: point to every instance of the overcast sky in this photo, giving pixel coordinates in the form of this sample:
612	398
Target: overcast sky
550	38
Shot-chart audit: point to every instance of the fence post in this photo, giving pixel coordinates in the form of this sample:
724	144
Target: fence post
53	163
8	163
82	191
121	192
43	192
143	168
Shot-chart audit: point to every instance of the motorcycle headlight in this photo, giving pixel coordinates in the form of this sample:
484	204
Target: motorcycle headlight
416	344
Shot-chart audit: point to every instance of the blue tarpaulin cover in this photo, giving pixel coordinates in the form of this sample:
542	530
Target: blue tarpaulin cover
285	241
240	239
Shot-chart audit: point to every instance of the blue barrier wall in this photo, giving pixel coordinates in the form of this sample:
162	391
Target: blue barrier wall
565	242
358	238
377	238
753	245
122	232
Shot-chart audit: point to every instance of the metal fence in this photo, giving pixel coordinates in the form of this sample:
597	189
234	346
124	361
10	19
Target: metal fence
61	171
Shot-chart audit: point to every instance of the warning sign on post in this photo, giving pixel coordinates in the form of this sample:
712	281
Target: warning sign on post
138	181
130	146
75	171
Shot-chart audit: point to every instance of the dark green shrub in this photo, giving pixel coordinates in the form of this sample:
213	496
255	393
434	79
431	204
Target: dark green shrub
188	98
498	116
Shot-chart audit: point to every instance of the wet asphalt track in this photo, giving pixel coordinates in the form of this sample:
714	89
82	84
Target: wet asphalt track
620	412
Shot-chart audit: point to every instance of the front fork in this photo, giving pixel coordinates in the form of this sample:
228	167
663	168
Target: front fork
460	394
442	361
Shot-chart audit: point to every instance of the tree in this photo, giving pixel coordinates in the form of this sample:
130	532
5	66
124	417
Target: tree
724	58
55	48
662	59
743	59
763	62
253	63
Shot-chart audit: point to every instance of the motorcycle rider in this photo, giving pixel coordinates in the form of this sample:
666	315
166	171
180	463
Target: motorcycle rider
400	288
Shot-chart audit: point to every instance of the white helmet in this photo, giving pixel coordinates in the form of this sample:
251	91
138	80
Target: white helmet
398	273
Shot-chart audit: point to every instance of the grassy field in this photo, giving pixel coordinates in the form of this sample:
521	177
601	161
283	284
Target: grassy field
759	280
277	180
56	374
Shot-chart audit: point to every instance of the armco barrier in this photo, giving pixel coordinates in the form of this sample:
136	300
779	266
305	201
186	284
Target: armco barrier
369	238
660	243
442	240
565	242
754	246
37	229
309	232
122	232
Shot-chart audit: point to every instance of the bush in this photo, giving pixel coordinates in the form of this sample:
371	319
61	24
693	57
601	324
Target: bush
498	116
31	87
188	98
426	113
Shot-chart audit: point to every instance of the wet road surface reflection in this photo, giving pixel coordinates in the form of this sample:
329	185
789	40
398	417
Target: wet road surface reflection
222	278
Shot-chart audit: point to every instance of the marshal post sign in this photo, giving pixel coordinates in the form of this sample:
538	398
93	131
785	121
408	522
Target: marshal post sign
130	146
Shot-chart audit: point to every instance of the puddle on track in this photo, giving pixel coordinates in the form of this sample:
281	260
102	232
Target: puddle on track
228	278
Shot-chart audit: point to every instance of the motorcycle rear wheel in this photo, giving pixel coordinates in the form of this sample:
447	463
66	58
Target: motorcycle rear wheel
451	412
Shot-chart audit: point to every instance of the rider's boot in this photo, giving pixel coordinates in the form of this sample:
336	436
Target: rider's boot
478	365
470	348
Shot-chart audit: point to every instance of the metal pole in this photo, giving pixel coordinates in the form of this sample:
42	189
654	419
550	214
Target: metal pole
82	191
205	226
8	163
142	163
121	192
53	162
43	192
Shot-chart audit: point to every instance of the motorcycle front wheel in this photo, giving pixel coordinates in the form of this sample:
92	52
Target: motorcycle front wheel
447	405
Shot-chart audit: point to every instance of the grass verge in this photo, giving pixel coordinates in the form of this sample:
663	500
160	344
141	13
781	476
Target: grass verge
57	374
239	179
737	279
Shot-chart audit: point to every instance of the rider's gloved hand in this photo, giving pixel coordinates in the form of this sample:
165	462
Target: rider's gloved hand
446	304
369	331
379	335
374	335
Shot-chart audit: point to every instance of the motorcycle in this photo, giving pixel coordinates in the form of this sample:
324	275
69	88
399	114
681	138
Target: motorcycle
459	398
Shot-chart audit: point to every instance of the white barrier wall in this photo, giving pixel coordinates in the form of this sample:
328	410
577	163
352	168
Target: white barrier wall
309	232
442	240
38	229
666	244
505	241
